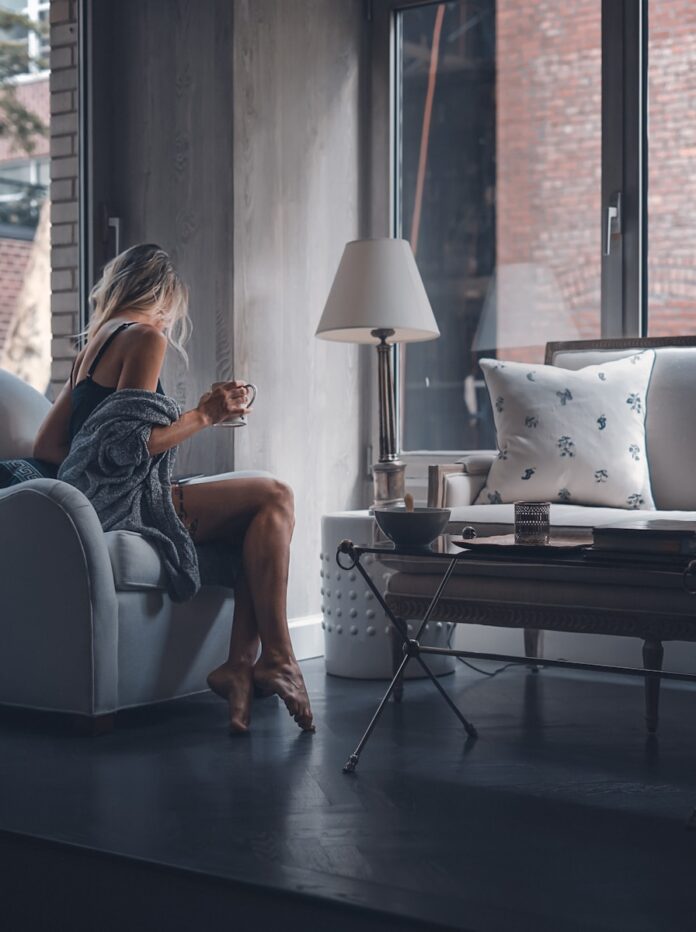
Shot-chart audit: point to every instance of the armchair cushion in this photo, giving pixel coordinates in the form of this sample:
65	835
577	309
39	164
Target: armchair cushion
135	561
137	565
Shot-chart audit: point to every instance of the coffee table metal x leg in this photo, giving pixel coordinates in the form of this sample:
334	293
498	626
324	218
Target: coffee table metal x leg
410	646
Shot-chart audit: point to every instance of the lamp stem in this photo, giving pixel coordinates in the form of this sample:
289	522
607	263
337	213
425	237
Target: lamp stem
389	473
387	426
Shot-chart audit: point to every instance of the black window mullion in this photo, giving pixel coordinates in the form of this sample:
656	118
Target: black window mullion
624	157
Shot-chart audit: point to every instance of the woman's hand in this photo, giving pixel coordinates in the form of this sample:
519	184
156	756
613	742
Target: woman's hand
226	399
223	401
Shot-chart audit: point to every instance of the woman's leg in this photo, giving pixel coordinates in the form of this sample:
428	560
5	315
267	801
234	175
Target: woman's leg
260	512
234	679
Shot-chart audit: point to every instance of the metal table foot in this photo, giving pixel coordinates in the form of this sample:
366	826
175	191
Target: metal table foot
468	727
352	762
410	647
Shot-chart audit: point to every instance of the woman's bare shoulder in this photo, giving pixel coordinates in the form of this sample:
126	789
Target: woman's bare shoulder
146	335
143	354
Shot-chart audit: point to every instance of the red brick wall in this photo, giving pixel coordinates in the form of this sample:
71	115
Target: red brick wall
672	167
549	150
14	255
548	61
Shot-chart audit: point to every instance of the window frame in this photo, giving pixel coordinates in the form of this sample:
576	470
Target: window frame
623	168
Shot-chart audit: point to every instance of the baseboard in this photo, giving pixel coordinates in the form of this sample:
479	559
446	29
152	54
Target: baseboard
307	636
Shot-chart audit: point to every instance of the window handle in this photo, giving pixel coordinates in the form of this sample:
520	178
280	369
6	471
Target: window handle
115	224
612	222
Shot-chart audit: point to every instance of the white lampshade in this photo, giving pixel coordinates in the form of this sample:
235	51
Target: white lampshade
377	287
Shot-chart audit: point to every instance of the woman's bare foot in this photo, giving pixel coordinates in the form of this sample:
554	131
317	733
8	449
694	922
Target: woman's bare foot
235	684
283	677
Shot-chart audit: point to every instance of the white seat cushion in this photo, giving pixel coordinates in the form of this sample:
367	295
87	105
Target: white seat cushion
137	566
135	561
499	519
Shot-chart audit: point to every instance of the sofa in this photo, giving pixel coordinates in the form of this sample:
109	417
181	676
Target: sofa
630	600
87	627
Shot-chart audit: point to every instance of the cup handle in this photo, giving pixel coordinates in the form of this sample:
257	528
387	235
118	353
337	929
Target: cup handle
253	393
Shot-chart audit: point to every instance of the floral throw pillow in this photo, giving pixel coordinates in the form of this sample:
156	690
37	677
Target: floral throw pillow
576	437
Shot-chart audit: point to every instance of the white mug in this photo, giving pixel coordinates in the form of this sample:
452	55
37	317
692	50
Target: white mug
240	419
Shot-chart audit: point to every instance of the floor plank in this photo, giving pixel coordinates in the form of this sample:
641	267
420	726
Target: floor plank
562	816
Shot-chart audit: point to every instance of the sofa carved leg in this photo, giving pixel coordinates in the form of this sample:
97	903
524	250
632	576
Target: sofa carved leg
533	645
653	652
92	726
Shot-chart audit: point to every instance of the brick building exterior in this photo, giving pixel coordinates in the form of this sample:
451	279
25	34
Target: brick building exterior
548	210
672	168
53	97
64	187
548	135
14	257
14	251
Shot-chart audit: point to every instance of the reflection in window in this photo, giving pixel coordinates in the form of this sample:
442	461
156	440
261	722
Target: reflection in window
498	191
25	323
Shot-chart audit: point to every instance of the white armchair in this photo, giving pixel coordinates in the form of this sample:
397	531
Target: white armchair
86	626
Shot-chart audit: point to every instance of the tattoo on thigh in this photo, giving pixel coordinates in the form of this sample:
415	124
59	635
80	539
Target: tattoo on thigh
191	526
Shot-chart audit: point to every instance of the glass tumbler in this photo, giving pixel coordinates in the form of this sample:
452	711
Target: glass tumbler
532	522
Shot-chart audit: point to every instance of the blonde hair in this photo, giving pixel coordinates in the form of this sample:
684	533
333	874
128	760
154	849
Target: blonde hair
143	279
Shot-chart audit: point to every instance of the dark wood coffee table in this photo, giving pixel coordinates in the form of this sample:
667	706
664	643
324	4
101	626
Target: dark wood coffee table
448	554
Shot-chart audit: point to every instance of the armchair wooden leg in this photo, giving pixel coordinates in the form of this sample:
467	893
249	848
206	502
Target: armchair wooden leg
533	645
653	652
92	726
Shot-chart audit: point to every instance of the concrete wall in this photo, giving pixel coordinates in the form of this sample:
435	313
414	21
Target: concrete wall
297	189
162	151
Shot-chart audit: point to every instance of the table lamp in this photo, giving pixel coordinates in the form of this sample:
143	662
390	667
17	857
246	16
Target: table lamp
378	297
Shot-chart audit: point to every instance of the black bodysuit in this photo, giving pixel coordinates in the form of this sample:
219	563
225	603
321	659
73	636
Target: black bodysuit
88	394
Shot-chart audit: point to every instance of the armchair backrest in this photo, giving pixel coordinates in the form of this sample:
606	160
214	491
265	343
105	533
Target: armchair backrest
670	424
22	409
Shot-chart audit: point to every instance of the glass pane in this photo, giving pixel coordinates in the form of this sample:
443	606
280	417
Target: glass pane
498	191
671	167
25	252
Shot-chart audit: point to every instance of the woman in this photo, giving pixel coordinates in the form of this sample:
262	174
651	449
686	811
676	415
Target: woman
140	305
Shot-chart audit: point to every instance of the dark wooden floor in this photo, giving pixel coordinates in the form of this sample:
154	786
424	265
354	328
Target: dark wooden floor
561	817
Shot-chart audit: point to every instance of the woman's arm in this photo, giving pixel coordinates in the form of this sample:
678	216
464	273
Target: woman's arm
141	369
53	438
225	401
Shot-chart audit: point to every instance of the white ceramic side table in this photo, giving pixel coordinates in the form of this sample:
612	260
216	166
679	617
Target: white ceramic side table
357	635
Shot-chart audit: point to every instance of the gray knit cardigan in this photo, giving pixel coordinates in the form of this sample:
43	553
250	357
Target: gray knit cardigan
131	490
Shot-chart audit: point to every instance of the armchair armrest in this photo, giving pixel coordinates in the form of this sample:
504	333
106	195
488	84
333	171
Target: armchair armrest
459	483
59	629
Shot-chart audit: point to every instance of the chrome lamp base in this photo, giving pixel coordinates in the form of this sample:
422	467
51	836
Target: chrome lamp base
389	473
389	481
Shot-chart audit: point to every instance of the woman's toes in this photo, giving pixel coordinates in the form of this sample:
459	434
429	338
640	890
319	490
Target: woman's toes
285	679
238	728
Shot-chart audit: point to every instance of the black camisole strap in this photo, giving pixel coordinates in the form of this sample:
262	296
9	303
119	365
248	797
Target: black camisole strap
104	347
